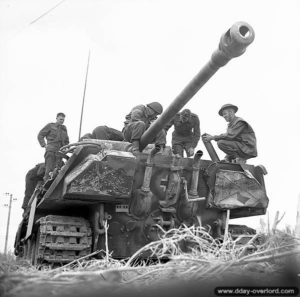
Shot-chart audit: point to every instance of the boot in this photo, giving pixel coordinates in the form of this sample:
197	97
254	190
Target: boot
228	159
162	147
240	160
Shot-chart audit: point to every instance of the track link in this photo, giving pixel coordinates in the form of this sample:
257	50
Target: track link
62	239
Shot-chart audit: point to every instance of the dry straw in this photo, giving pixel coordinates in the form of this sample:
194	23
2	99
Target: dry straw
191	252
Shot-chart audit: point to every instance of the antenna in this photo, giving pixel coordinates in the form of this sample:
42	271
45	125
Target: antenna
35	20
45	13
83	99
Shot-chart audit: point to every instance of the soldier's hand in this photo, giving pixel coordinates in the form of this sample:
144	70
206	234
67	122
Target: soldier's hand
191	151
207	137
134	150
153	119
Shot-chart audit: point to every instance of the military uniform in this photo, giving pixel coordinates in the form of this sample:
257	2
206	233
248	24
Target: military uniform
57	136
86	136
238	141
186	134
32	177
107	133
104	133
137	122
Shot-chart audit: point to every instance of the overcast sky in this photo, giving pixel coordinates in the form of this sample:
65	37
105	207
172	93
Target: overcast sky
143	51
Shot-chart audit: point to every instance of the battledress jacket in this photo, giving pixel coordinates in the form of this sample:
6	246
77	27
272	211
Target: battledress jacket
138	113
185	131
241	132
56	135
134	129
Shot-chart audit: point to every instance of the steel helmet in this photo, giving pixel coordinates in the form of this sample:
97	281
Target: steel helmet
156	106
226	106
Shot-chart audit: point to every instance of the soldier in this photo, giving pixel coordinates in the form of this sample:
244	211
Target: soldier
107	133
186	132
104	133
239	142
32	178
86	136
139	120
57	136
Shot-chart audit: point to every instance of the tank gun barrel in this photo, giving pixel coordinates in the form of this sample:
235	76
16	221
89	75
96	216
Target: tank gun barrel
233	43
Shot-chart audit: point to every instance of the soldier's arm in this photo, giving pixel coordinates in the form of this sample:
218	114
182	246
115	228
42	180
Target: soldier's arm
128	116
196	132
233	134
136	115
135	109
67	136
169	125
42	134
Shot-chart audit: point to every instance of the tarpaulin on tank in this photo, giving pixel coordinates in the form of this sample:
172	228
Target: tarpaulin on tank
236	189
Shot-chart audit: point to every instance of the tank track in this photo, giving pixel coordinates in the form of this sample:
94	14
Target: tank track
62	239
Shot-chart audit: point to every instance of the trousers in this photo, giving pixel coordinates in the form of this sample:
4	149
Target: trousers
232	149
134	131
52	160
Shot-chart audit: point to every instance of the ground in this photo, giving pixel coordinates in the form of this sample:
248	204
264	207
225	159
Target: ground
269	262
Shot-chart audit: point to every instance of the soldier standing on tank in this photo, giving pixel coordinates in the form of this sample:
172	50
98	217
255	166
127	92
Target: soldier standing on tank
57	136
239	142
139	120
186	134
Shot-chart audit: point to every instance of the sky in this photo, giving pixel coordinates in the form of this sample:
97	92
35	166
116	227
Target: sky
143	51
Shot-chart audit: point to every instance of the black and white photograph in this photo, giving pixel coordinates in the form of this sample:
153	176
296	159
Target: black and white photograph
149	147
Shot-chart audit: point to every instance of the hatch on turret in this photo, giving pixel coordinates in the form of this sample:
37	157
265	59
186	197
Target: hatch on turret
106	176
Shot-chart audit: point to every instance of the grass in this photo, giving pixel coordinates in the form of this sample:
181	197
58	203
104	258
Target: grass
194	257
8	263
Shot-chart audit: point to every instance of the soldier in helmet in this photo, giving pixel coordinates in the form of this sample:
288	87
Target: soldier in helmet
139	120
239	142
57	136
186	134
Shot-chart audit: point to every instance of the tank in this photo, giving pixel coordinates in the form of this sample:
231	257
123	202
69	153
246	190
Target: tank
107	198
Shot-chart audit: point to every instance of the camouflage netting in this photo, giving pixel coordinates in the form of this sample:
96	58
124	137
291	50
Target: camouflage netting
102	179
